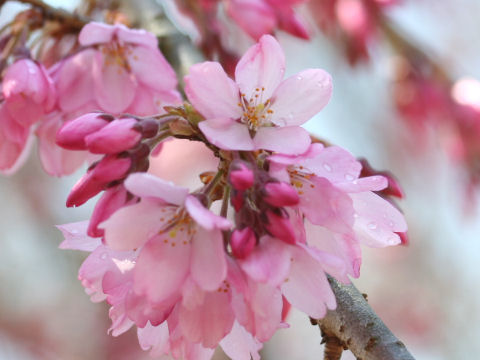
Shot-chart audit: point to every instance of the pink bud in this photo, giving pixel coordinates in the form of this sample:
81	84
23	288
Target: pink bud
119	135
109	169
241	176
112	200
243	242
72	135
237	200
280	227
280	194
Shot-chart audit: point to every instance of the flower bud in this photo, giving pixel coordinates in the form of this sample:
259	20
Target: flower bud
280	194
109	169
243	242
241	176
112	200
119	135
72	135
279	226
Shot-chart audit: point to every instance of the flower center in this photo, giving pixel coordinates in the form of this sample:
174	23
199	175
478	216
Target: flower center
116	54
256	111
180	228
300	178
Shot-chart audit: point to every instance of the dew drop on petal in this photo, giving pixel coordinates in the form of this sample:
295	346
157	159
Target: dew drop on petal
299	78
372	226
327	167
355	215
349	177
74	231
391	224
103	256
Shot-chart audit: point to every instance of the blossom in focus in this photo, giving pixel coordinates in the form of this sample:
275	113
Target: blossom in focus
258	110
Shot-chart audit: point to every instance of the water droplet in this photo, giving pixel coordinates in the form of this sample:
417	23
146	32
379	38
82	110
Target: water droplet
299	77
372	226
384	215
391	224
349	177
392	241
355	215
327	167
74	231
103	256
355	182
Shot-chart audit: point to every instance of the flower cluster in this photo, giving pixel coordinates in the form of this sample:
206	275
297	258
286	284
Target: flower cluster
115	70
289	212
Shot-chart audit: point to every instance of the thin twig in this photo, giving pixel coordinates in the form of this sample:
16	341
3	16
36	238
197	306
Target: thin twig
359	329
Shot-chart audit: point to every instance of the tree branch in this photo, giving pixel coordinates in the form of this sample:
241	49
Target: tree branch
358	328
73	21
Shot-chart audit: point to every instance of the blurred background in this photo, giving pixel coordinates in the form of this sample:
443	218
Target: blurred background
425	292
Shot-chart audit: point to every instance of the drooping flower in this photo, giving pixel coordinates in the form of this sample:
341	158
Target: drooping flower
258	110
341	209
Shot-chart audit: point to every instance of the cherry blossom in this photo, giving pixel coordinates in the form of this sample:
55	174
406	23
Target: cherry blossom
259	110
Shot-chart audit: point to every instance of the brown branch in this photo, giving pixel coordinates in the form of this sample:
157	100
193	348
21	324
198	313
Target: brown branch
68	19
358	328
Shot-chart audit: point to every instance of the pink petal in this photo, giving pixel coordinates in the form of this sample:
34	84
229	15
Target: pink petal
114	86
208	265
331	264
131	226
371	183
323	204
255	17
212	92
204	217
76	237
335	164
268	263
301	96
155	339
136	36
96	33
152	69
240	344
266	303
343	246
307	288
227	134
55	160
162	268
286	140
75	81
209	323
377	220
262	66
148	185
192	294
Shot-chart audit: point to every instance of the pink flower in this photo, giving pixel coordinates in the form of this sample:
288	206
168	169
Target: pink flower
260	17
340	204
29	92
129	72
259	110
